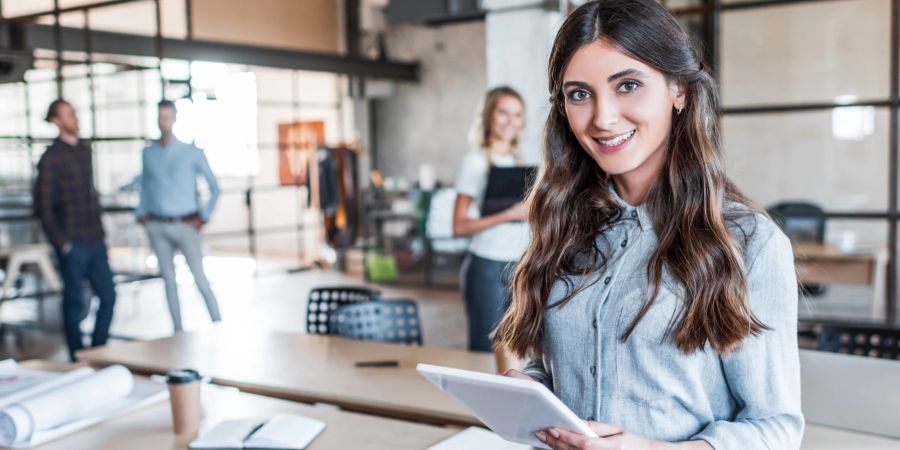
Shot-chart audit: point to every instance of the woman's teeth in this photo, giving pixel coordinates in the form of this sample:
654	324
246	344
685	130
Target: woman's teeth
616	141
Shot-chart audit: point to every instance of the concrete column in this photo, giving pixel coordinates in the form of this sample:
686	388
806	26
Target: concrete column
519	36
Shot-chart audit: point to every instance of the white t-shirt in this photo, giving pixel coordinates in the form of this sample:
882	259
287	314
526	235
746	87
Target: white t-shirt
503	242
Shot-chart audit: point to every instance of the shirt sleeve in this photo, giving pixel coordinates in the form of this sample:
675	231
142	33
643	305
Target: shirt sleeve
764	373
472	177
535	369
206	172
46	192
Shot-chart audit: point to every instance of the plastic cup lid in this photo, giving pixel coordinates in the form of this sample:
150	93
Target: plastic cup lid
180	376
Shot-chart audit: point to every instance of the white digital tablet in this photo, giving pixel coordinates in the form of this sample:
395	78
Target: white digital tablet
515	409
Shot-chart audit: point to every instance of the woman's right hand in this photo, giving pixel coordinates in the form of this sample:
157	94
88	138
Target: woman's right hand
513	373
516	213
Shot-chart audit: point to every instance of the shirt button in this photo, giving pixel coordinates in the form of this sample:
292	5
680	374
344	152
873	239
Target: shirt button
591	418
594	371
594	323
607	280
625	242
634	214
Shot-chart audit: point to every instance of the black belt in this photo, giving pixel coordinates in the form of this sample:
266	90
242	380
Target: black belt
171	219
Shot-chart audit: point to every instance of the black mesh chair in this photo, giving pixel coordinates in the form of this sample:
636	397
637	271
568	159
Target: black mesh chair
858	340
383	321
801	222
323	301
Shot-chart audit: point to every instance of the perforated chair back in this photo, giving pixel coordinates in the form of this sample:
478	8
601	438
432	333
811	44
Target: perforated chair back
324	300
863	341
383	321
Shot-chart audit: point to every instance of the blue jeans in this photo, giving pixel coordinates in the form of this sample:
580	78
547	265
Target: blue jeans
485	286
86	261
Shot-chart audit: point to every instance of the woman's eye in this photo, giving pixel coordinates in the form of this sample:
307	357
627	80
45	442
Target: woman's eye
578	95
629	86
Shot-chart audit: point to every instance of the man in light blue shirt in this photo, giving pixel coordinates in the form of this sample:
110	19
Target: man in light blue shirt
170	209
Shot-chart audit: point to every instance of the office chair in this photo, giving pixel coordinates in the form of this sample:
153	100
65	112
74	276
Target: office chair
324	300
801	222
382	321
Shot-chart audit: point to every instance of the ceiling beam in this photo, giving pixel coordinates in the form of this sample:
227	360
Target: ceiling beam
41	36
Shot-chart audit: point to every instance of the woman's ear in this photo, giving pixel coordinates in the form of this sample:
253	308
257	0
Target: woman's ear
678	94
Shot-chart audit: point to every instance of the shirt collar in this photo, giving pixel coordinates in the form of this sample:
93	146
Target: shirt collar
629	212
59	141
174	143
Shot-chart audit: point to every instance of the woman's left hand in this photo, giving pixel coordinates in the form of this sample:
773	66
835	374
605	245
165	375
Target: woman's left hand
610	437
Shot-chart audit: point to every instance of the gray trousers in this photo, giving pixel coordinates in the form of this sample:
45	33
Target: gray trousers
166	238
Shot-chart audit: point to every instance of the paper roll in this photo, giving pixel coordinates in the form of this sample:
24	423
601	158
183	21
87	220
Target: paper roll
48	385
64	404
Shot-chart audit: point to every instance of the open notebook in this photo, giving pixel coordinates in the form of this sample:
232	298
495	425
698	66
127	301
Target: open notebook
282	432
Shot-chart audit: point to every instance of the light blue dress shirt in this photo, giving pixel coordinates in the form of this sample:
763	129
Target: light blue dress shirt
747	400
169	181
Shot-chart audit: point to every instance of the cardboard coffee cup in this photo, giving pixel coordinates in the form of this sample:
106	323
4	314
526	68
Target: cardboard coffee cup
184	395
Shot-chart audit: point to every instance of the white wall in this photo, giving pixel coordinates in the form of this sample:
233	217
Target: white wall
429	121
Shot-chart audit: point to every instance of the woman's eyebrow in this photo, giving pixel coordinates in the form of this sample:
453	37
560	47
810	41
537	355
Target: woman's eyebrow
579	84
626	73
613	77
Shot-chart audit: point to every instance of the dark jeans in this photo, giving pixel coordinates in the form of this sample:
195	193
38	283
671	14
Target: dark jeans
485	286
86	262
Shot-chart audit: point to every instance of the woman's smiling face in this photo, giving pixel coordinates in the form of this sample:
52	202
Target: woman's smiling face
619	108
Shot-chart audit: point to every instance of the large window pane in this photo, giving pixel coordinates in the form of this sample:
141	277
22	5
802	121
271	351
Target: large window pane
810	52
835	158
231	210
116	164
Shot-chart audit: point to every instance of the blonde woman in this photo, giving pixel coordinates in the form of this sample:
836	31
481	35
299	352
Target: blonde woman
498	240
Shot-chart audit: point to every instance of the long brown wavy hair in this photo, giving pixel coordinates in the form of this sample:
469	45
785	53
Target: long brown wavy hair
571	203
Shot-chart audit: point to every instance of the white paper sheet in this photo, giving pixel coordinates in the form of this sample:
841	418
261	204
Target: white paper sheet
17	382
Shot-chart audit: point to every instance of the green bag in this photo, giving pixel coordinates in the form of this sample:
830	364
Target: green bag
381	267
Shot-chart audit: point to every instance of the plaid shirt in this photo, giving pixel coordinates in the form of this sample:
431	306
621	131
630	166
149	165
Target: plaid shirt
65	200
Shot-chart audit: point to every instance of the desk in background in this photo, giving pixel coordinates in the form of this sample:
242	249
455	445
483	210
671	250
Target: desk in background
826	264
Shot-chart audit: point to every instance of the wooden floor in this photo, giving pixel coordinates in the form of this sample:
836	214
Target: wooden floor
265	294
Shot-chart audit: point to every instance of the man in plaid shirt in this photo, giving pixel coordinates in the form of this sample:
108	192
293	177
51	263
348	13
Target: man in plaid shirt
68	207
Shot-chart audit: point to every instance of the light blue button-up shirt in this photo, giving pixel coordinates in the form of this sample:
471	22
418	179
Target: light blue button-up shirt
747	400
169	181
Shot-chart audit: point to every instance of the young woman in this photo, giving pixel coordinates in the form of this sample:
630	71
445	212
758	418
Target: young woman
654	299
498	239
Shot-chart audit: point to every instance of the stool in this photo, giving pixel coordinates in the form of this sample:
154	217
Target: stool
39	254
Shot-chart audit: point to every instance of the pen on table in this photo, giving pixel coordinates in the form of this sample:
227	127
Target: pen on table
388	363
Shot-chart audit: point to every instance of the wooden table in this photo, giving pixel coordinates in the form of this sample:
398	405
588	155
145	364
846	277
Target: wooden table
306	368
826	264
308	375
151	427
